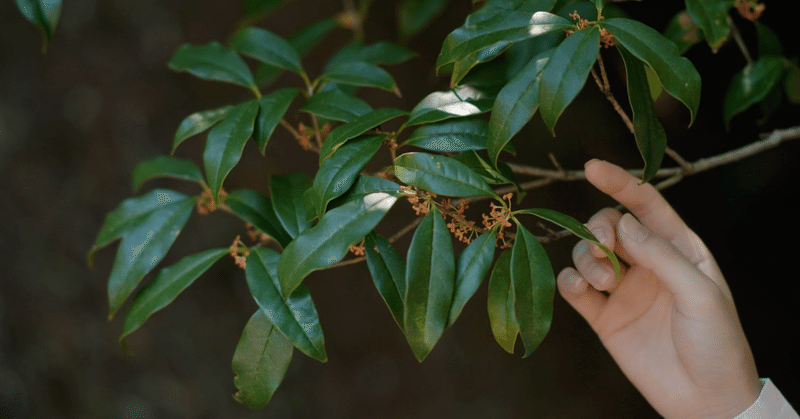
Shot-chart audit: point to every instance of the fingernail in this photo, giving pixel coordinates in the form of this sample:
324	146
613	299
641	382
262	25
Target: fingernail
629	228
599	234
589	162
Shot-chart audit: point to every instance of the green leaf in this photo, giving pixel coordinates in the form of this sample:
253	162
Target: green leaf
213	61
464	65
430	272
768	41
791	82
359	73
354	128
198	122
440	175
515	105
287	199
565	73
268	48
260	7
302	41
712	17
256	209
752	84
451	136
653	83
415	15
226	142
574	226
366	185
147	225
501	303
326	243
340	171
650	135
336	105
271	109
388	270
260	361
170	282
377	53
296	316
166	166
461	101
471	266
43	14
599	4
677	74
534	286
683	31
483	167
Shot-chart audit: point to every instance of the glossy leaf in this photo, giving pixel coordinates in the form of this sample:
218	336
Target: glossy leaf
464	65
683	31
574	226
534	286
302	41
326	243
339	136
415	15
501	304
752	84
712	17
226	142
256	209
430	272
471	266
359	73
650	135
791	83
268	48
147	225
768	41
515	105
340	171
461	101
170	282
271	109
388	270
296	316
166	166
484	168
287	200
440	175
677	74
336	105
450	136
214	62
260	361
198	122
43	14
378	53
565	73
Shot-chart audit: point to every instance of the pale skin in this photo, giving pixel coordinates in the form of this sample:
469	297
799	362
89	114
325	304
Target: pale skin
670	323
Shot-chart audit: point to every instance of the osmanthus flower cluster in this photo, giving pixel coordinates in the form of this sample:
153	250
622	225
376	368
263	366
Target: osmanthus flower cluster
510	58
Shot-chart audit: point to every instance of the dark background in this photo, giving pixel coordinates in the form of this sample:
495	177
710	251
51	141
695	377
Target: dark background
74	123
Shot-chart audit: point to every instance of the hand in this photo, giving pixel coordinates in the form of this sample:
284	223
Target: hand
670	324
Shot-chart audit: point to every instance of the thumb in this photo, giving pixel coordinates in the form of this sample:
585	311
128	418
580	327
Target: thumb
691	287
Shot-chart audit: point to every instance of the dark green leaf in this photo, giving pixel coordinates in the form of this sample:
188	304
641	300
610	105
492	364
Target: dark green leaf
359	73
515	105
354	128
271	109
256	209
42	13
260	361
430	273
336	105
501	303
170	282
752	84
471	266
677	74
378	53
338	172
451	136
464	65
366	185
388	270
287	199
440	175
712	17
296	316
214	62
226	142
260	7
148	225
482	167
268	48
166	166
534	286
791	82
683	31
565	73
415	15
768	42
650	135
461	101
197	123
302	41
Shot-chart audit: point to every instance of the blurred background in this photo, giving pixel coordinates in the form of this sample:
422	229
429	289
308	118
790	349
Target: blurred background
75	121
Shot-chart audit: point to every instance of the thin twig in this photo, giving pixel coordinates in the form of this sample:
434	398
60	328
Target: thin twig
290	128
316	130
686	166
739	41
606	89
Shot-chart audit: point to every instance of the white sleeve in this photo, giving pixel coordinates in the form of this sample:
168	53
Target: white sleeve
770	404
